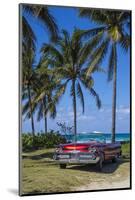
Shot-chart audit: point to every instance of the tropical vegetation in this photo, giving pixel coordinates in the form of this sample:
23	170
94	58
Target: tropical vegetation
41	140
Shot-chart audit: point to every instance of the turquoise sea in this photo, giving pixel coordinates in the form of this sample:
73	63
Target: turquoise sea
84	137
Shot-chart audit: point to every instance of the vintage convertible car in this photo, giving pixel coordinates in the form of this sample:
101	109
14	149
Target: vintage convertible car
94	151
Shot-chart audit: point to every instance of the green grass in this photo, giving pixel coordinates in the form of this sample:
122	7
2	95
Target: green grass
126	149
41	174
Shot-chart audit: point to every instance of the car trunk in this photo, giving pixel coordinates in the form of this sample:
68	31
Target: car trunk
76	147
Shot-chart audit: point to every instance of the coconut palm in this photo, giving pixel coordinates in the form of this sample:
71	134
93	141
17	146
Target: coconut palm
28	83
42	15
43	101
113	32
69	62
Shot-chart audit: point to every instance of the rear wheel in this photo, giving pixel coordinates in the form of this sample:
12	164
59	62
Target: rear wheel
100	163
114	160
63	166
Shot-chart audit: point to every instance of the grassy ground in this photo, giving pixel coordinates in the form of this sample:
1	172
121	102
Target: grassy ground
126	149
41	174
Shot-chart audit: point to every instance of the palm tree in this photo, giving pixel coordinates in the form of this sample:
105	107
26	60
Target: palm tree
112	33
42	15
69	62
44	94
28	84
44	99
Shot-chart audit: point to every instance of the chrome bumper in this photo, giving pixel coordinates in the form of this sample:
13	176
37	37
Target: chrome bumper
76	159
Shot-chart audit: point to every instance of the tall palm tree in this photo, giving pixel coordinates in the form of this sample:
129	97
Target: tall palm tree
69	62
28	83
112	33
42	15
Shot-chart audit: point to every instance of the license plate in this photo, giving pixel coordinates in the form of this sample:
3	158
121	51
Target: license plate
73	160
86	156
63	156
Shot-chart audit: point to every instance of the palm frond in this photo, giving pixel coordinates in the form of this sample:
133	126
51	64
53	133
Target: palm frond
40	112
88	48
50	50
52	109
96	96
66	36
43	16
96	15
98	55
125	42
25	107
60	91
29	37
86	34
87	81
124	16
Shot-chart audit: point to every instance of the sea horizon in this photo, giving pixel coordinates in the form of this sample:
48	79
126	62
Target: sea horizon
119	137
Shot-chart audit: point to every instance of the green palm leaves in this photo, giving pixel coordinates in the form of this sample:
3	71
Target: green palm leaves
112	31
42	16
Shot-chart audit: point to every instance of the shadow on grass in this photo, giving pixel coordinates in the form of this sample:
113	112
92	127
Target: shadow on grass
39	156
108	166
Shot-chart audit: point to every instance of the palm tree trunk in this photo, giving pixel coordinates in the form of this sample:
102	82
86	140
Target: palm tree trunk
114	99
74	107
45	116
31	113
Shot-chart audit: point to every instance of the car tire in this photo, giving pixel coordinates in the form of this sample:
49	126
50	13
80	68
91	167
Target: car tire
114	160
100	163
62	166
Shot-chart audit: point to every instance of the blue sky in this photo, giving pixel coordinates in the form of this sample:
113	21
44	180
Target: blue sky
93	119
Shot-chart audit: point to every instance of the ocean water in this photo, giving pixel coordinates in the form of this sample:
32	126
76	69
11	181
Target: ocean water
85	137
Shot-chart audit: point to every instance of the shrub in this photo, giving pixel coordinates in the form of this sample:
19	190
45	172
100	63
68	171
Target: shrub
48	140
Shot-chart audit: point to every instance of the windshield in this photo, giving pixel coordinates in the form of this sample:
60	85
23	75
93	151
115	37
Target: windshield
80	138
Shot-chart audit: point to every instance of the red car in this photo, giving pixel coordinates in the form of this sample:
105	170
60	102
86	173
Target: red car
93	152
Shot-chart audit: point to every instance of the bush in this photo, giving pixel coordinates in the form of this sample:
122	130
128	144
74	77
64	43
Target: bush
48	140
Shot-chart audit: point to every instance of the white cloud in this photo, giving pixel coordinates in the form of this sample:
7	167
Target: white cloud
86	117
123	110
119	110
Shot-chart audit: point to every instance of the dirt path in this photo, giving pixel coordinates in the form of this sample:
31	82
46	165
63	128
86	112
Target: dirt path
119	179
105	185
